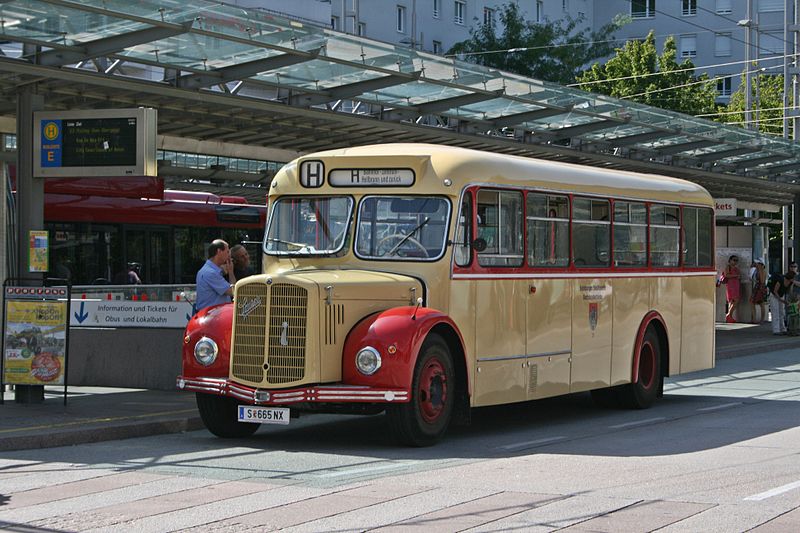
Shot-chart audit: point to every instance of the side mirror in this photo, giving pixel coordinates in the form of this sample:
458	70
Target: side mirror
479	244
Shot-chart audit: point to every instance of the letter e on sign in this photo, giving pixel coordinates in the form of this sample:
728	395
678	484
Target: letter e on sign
312	174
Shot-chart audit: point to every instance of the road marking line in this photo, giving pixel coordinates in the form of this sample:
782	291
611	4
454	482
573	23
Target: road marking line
717	407
774	492
377	468
94	420
638	423
519	445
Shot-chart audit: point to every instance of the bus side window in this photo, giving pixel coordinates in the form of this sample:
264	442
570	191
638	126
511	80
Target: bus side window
664	235
462	248
500	225
590	232
630	234
547	217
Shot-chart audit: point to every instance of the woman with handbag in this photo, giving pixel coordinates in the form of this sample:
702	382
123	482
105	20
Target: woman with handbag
760	292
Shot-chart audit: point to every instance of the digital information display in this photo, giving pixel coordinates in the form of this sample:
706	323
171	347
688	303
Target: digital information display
112	142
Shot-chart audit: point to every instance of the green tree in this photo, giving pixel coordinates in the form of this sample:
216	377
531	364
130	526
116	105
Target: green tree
767	97
550	51
629	74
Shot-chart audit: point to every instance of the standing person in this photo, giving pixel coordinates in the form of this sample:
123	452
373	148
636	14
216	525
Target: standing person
241	261
777	302
760	292
215	279
732	275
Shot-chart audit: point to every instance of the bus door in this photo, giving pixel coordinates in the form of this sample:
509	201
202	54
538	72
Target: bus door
592	295
548	296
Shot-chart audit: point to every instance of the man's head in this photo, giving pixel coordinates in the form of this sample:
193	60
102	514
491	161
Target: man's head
241	259
218	252
793	266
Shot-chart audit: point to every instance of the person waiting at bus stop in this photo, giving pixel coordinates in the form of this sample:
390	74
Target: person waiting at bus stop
778	286
215	279
241	261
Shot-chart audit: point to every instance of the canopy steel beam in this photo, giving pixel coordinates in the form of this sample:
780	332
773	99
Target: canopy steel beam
352	89
685	147
756	161
716	156
244	70
521	118
109	45
641	138
580	129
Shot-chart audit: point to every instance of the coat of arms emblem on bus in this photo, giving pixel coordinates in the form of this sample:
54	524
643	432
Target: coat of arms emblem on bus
594	310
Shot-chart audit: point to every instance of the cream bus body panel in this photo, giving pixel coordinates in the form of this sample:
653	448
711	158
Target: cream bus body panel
591	333
549	339
665	298
631	303
697	346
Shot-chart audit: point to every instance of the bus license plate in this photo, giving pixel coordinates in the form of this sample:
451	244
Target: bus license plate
263	415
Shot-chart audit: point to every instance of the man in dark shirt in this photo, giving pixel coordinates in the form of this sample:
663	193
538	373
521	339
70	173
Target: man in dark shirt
778	287
241	262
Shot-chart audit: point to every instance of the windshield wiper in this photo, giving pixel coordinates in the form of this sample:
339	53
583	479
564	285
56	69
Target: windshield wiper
290	243
406	237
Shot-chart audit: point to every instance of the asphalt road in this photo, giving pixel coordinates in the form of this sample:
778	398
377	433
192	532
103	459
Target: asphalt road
718	453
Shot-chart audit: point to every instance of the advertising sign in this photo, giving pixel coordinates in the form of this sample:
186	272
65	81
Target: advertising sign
105	142
34	346
38	255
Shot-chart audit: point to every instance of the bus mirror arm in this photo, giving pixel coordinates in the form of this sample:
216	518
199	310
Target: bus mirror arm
478	244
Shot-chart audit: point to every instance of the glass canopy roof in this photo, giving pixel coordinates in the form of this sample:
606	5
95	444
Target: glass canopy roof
309	73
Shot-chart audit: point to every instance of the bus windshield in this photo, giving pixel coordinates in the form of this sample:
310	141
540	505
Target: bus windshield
402	228
308	226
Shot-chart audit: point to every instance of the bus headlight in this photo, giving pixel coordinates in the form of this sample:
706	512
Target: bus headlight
205	351
368	360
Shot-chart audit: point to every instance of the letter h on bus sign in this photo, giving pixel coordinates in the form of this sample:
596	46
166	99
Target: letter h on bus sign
312	174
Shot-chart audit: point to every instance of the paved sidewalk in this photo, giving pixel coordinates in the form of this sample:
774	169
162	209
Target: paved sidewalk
95	414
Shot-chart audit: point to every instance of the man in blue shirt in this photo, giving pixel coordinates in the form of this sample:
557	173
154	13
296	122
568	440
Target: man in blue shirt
215	280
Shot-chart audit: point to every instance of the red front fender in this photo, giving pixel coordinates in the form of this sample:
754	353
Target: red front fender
398	338
215	323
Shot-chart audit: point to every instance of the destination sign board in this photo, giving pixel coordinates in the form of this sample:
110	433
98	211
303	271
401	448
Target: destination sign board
371	177
110	142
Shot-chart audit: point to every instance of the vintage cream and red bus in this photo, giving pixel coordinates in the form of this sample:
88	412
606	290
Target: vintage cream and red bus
424	280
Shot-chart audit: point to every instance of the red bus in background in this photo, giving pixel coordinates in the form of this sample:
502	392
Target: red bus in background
99	226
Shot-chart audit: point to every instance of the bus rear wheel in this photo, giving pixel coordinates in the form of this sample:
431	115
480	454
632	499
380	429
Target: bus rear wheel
424	420
642	393
219	416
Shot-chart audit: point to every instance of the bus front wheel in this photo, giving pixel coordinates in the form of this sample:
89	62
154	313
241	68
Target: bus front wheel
642	393
424	420
219	416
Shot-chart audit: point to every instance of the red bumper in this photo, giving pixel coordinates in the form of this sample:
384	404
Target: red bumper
312	394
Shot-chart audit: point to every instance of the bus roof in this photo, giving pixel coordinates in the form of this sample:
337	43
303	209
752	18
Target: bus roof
464	166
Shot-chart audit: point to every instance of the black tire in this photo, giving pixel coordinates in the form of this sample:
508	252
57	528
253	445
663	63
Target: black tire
424	420
643	393
219	416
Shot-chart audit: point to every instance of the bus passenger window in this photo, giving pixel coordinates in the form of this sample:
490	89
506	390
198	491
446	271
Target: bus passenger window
664	235
697	237
500	225
547	218
630	234
462	248
590	232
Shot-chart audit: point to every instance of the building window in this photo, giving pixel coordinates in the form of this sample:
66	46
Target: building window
335	23
724	86
361	29
766	6
459	11
724	7
688	7
437	47
401	19
539	10
437	5
688	45
722	44
643	8
770	44
488	16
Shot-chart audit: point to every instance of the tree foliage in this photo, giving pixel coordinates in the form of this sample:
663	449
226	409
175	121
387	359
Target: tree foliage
628	75
767	98
549	51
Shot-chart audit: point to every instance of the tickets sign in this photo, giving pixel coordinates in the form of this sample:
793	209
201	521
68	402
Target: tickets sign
130	314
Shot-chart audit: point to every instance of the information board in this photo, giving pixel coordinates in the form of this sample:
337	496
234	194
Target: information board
106	142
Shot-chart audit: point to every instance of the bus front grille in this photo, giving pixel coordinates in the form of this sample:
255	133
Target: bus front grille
286	353
269	341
